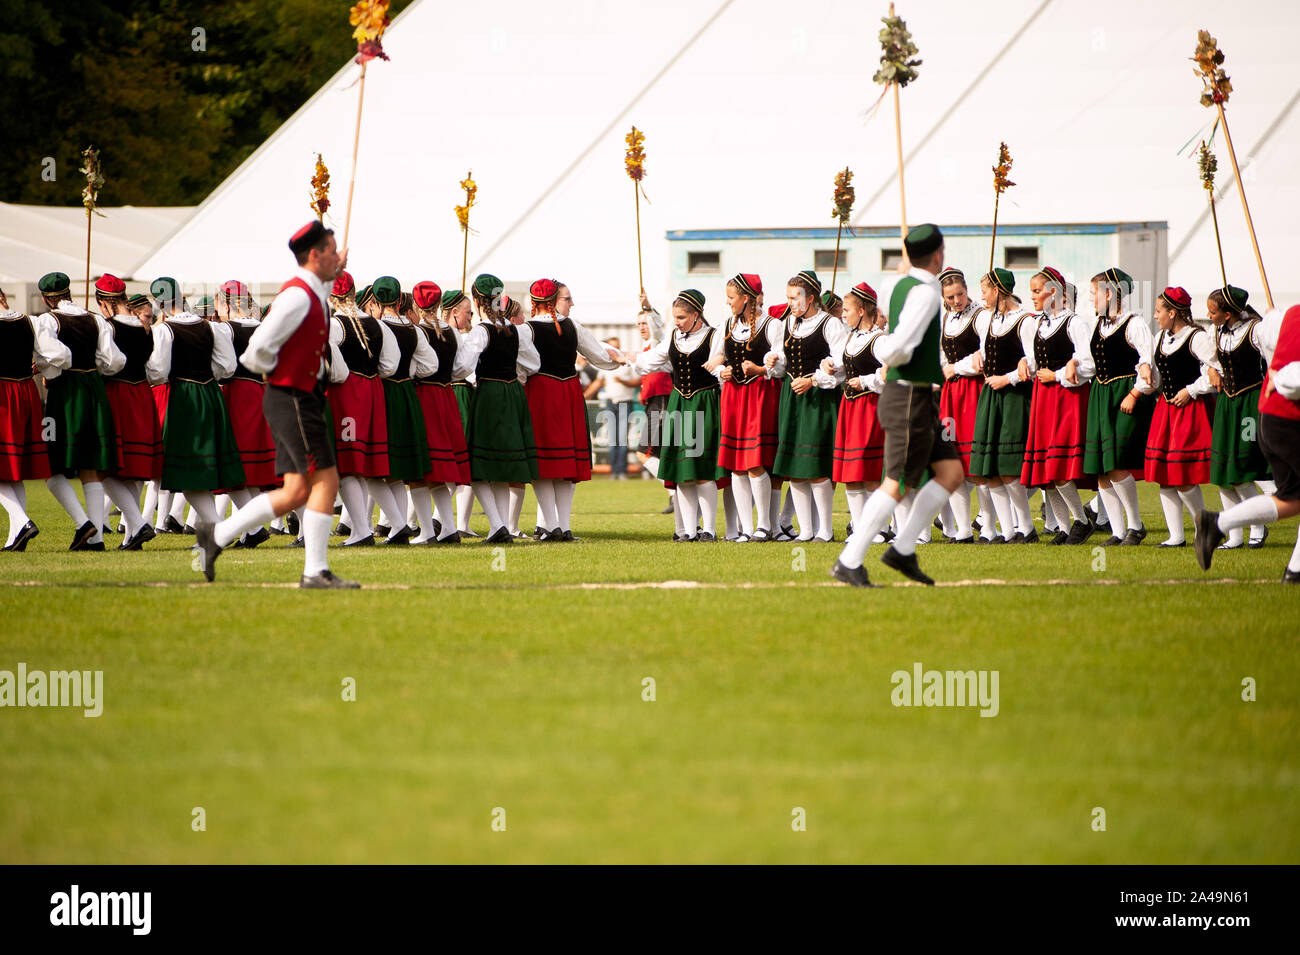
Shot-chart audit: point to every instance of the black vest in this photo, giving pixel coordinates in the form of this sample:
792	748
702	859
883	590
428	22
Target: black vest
559	351
81	335
444	347
803	355
1112	354
498	361
17	342
1243	366
689	374
240	334
864	362
136	343
405	335
1179	369
755	350
363	340
965	342
1056	350
1002	353
192	352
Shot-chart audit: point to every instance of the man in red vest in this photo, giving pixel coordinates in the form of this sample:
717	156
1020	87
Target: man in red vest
1279	439
291	349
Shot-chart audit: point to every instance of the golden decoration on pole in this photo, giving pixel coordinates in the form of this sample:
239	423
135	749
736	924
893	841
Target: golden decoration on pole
370	17
462	216
843	198
320	189
1209	165
634	162
1000	185
898	65
90	199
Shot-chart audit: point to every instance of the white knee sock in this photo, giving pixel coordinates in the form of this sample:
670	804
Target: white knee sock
177	510
487	500
857	497
1128	494
1057	509
94	492
743	493
987	511
544	491
442	507
412	516
1069	492
1244	493
516	495
1228	499
124	497
164	508
1261	509
823	493
150	506
787	509
464	505
1173	510
400	499
960	503
1294	564
774	509
220	501
1193	500
875	518
761	491
62	490
652	466
1002	507
353	491
680	526
947	520
1020	507
729	516
422	499
253	514
564	492
501	494
15	506
382	492
927	504
1114	510
801	492
315	540
688	502
205	508
706	493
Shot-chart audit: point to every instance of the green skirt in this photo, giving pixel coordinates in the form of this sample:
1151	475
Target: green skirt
84	436
1235	455
805	433
408	443
500	434
465	401
997	448
199	450
688	437
1116	441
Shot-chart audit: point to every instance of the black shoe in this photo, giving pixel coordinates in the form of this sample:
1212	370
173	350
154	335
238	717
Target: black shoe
138	539
25	534
706	538
887	535
938	525
789	532
907	565
848	531
1237	546
761	535
414	529
364	542
964	540
569	537
1030	538
259	536
383	530
1059	538
403	536
1170	545
97	546
1208	537
469	533
188	529
279	532
171	526
342	530
683	539
1134	537
297	542
669	508
291	522
540	533
452	538
853	576
338	508
205	543
986	540
1257	544
502	536
107	529
326	580
1080	531
1291	576
80	539
1111	541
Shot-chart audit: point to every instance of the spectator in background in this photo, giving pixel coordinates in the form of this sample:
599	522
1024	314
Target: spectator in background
654	393
591	383
621	390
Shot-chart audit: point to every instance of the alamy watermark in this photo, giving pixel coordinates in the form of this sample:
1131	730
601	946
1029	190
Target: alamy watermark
75	688
921	687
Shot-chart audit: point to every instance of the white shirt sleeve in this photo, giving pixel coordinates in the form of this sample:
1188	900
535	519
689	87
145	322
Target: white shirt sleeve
837	333
224	362
425	360
966	366
594	350
836	376
159	366
471	347
287	312
466	358
775	346
1028	329
654	359
1203	348
52	356
339	370
108	357
1286	381
1082	339
896	348
528	360
390	355
1139	336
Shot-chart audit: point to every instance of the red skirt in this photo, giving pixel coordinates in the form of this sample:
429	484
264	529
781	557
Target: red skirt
252	433
23	455
161	395
958	401
749	415
559	428
1178	444
859	441
139	435
1058	431
360	426
448	452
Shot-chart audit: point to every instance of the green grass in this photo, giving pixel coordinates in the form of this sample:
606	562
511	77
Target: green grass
519	688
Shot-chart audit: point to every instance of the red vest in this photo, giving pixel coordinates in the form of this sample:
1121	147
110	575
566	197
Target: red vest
1288	350
299	362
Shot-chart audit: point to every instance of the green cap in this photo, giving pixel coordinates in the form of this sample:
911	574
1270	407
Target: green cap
205	306
830	300
1002	280
386	290
166	290
1235	297
54	283
923	240
693	298
365	295
452	297
809	276
1120	279
488	285
136	300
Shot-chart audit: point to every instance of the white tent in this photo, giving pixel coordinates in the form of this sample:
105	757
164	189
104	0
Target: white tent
750	106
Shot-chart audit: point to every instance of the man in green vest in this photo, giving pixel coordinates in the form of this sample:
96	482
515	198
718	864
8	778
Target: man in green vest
908	410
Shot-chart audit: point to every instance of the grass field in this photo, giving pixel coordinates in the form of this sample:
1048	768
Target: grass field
520	687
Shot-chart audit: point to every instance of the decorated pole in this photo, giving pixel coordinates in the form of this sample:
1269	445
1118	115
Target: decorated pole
462	216
634	162
90	199
320	189
1209	166
1217	88
1000	185
370	17
897	69
843	209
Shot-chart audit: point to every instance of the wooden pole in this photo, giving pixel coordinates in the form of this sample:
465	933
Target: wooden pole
997	196
356	143
836	267
902	193
1215	216
464	259
636	187
86	298
1241	189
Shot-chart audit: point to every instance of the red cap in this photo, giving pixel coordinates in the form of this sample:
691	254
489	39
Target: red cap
543	290
778	311
864	292
234	289
426	295
343	285
754	281
110	285
1176	297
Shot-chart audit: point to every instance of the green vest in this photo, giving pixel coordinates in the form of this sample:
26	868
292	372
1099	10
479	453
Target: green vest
925	364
